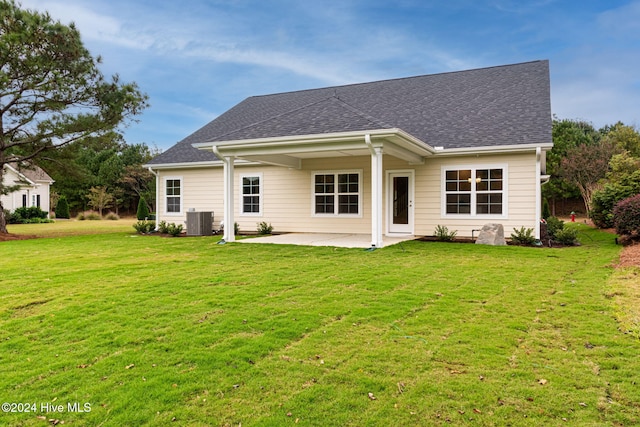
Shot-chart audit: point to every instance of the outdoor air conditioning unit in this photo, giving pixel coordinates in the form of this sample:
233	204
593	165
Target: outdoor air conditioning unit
199	223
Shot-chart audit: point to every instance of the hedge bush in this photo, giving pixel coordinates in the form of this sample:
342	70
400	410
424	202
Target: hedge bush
28	215
604	200
143	210
62	208
626	216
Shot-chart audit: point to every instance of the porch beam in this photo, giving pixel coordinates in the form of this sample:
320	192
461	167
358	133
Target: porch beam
276	160
404	154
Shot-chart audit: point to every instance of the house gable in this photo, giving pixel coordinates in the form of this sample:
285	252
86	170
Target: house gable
489	107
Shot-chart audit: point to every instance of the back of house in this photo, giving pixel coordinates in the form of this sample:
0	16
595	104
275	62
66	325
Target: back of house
392	157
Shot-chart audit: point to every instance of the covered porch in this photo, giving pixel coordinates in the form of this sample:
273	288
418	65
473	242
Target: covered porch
290	152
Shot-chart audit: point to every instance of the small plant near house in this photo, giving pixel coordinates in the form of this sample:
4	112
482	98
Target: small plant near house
144	227
264	228
163	227
568	236
557	232
28	215
443	234
553	226
174	230
523	236
236	228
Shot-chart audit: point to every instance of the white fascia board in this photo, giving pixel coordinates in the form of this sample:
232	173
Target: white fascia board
496	149
193	165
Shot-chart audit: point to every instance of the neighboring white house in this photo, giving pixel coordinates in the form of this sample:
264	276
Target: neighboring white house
402	156
34	187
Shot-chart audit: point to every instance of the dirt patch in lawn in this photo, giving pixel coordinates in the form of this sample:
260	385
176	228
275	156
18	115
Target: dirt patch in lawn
4	237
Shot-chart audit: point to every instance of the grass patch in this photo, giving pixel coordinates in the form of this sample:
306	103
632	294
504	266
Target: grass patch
72	227
151	330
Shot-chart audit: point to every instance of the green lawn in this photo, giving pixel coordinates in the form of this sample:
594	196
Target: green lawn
183	331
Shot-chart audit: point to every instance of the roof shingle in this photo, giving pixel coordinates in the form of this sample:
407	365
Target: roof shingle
504	105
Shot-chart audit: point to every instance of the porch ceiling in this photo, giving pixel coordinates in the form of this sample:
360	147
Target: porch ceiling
290	151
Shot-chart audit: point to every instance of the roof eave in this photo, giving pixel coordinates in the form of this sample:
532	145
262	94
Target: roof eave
317	142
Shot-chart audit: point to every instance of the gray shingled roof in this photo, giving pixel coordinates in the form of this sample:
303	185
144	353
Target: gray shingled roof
505	105
31	172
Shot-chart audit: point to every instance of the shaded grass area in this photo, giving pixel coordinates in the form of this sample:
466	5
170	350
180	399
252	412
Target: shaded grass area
151	331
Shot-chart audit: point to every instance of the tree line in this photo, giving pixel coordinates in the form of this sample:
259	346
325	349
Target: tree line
599	166
101	173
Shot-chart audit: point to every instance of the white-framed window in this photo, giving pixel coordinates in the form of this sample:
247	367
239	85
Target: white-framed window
337	193
478	190
173	195
251	194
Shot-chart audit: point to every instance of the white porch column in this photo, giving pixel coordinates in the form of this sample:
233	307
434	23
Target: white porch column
376	198
376	193
227	171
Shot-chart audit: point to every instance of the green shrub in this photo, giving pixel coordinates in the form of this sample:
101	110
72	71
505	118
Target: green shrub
568	236
112	216
236	228
174	230
28	215
62	208
143	210
81	216
144	227
626	216
163	228
523	236
264	228
554	225
605	199
93	216
443	234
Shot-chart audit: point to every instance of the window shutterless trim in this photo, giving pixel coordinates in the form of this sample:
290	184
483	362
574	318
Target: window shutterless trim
179	197
340	193
490	193
258	195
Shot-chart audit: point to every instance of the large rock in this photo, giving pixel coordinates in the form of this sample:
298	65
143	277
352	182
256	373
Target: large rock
491	234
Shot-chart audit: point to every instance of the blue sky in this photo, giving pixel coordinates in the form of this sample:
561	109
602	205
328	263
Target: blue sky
197	58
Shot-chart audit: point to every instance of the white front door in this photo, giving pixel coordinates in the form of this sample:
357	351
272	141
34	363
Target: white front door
400	202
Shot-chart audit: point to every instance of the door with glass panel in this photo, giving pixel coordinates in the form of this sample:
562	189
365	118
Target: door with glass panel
400	202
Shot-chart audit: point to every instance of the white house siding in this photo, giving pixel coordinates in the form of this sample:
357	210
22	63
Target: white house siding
521	182
288	194
13	200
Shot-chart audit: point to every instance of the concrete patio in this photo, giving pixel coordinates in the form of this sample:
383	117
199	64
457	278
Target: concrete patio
343	240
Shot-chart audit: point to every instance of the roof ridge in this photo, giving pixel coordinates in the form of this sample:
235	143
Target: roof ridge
348	85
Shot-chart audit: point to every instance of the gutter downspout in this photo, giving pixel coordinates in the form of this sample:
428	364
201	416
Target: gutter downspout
157	194
229	222
376	194
538	209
